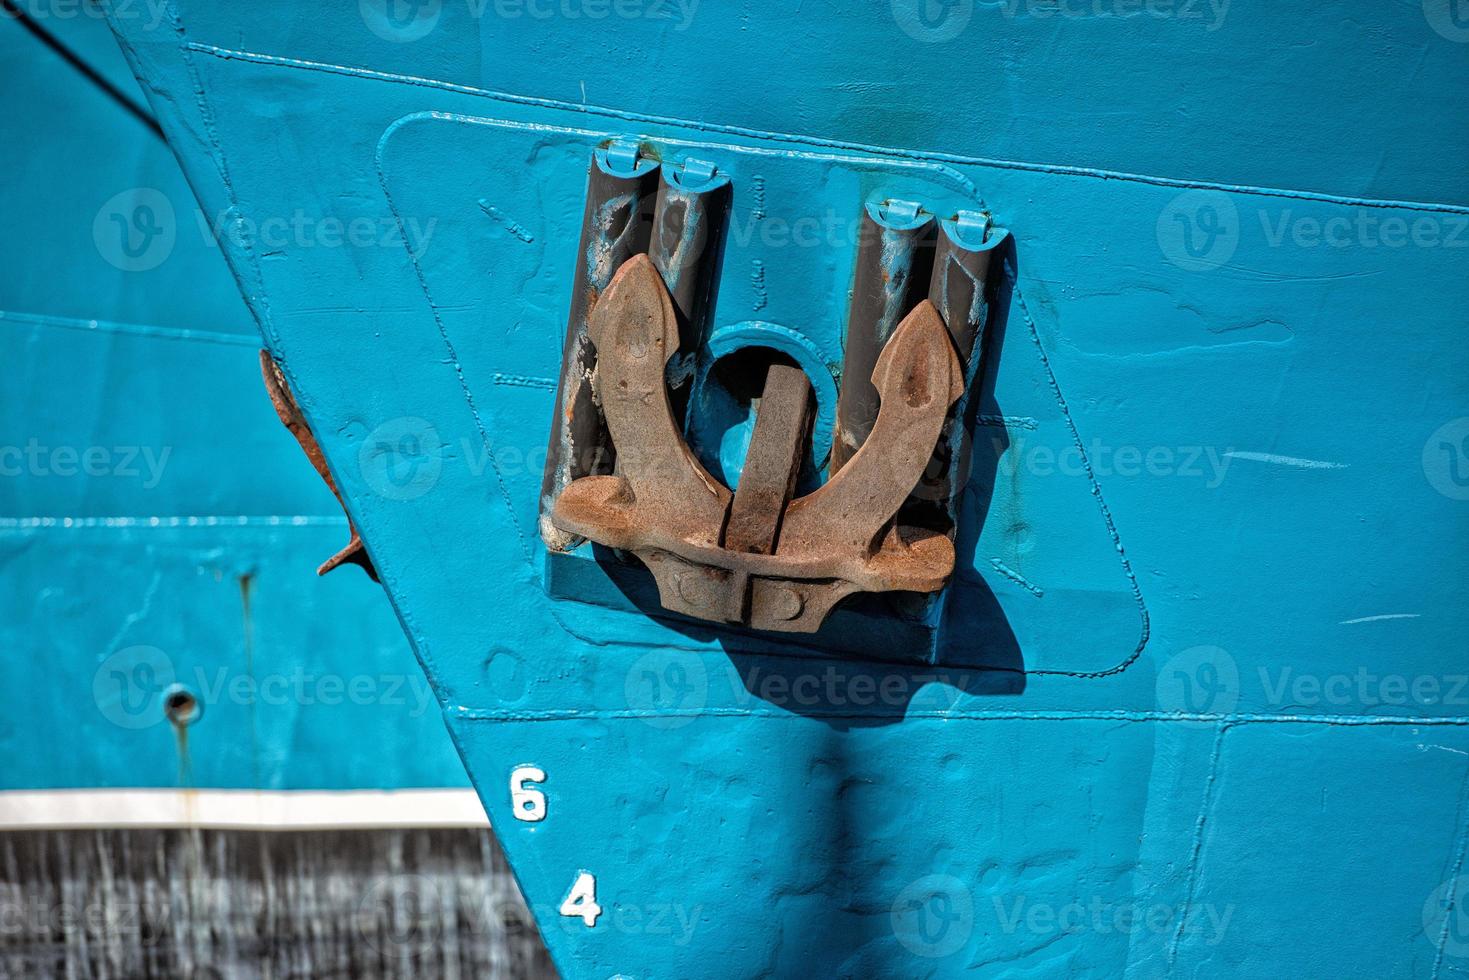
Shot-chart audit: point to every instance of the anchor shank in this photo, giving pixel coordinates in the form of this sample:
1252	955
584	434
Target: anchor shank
782	426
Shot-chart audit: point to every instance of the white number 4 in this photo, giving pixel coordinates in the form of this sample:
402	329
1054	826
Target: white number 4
581	901
527	803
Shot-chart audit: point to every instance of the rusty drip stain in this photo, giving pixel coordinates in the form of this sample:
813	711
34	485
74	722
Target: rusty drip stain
181	739
247	584
292	418
247	587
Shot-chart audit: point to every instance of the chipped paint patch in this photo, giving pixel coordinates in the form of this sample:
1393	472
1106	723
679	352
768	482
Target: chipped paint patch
1296	461
1017	578
524	381
514	227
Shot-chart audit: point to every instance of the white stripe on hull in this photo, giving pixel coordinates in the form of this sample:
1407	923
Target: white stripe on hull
242	809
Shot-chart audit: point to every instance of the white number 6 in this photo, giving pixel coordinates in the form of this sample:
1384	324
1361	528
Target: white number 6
581	901
527	803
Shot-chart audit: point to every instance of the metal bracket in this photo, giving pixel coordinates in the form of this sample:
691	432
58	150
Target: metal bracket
756	557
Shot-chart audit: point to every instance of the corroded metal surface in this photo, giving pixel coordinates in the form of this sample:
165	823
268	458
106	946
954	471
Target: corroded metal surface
782	427
966	245
689	216
354	553
894	246
615	225
663	506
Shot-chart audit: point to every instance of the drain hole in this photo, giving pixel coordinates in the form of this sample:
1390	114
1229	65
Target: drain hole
181	706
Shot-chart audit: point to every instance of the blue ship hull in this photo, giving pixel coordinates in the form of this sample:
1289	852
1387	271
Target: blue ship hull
159	532
1192	703
153	512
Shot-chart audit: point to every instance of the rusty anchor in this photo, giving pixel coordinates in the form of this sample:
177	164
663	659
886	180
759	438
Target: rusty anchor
756	557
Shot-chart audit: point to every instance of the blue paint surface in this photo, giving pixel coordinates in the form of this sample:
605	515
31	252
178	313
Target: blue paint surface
157	523
1198	706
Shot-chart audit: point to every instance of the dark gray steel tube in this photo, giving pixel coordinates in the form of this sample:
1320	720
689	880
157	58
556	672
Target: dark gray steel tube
961	271
615	226
887	284
689	221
